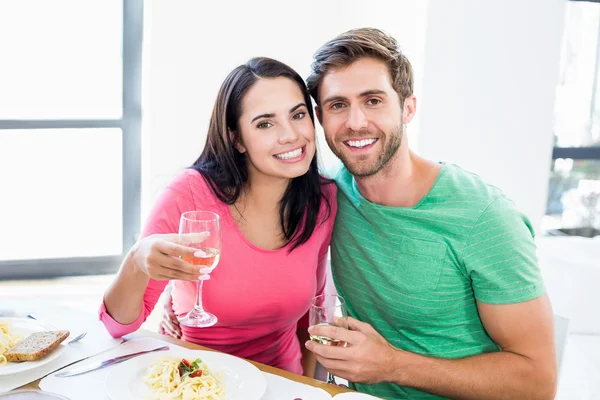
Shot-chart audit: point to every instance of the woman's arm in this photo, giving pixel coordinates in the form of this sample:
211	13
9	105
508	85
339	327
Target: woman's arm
309	360
123	300
147	269
152	261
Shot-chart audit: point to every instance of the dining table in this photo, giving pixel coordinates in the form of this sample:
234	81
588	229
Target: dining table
146	334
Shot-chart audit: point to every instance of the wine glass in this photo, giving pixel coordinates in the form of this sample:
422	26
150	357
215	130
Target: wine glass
328	310
191	224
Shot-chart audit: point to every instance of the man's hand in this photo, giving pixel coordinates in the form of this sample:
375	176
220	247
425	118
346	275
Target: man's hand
524	369
169	325
366	358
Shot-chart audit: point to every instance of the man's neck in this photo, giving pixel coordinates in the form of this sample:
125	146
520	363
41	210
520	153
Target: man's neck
403	182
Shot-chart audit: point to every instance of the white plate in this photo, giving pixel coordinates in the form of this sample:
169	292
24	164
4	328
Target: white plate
30	394
25	327
280	388
241	379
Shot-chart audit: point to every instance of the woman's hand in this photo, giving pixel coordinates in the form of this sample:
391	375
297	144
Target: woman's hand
160	257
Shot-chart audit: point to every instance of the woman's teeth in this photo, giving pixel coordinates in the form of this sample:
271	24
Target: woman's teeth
290	154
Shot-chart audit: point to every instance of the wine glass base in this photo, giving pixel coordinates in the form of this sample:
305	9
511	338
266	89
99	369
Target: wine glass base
197	319
331	379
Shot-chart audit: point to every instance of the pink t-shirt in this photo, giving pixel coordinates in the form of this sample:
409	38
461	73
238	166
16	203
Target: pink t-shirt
259	296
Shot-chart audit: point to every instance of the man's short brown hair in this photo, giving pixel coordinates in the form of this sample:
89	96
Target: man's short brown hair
362	43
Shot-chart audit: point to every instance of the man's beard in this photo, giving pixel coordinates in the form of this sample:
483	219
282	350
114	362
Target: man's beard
368	165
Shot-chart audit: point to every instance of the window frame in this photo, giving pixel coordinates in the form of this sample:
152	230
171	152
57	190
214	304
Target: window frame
585	152
130	125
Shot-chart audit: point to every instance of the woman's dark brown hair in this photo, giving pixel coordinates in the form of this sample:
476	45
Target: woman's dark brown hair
226	169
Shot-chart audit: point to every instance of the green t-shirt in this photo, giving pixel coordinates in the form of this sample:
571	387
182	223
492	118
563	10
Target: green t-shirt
414	273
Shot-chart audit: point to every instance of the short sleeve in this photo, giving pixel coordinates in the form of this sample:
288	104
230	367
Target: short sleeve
500	256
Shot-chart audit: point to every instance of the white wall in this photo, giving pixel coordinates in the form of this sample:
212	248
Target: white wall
486	73
190	46
489	80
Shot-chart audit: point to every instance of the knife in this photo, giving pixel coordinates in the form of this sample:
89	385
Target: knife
13	314
105	363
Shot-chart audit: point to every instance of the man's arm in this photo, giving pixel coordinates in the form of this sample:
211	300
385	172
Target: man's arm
524	369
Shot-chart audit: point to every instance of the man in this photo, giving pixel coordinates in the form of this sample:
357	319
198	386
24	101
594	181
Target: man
438	269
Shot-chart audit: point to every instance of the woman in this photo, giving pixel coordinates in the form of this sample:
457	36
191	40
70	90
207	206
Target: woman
258	171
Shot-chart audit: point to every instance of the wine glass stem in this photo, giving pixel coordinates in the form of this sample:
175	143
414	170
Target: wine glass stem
198	305
331	379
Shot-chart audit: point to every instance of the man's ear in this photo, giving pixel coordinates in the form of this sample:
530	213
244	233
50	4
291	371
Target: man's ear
237	143
319	115
409	110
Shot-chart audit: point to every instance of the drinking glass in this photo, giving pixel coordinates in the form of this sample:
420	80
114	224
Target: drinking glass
192	224
328	310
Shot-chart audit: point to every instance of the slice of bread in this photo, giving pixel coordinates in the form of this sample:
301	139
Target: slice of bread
36	346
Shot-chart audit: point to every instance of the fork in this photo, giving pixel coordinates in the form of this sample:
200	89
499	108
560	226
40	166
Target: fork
77	338
74	340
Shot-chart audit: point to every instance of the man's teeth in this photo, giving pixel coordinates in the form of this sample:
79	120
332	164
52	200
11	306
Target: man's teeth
289	155
360	143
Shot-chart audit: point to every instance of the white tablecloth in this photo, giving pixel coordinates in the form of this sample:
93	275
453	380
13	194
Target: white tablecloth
90	386
96	341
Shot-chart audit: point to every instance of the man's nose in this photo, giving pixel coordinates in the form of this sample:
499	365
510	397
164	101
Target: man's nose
357	120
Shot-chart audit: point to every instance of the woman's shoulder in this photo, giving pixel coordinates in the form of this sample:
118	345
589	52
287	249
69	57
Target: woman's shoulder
191	182
329	188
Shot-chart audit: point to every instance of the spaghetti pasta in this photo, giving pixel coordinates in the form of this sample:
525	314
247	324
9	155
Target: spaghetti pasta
166	381
8	339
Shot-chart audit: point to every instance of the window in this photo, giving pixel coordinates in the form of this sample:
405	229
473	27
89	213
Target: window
574	192
69	135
